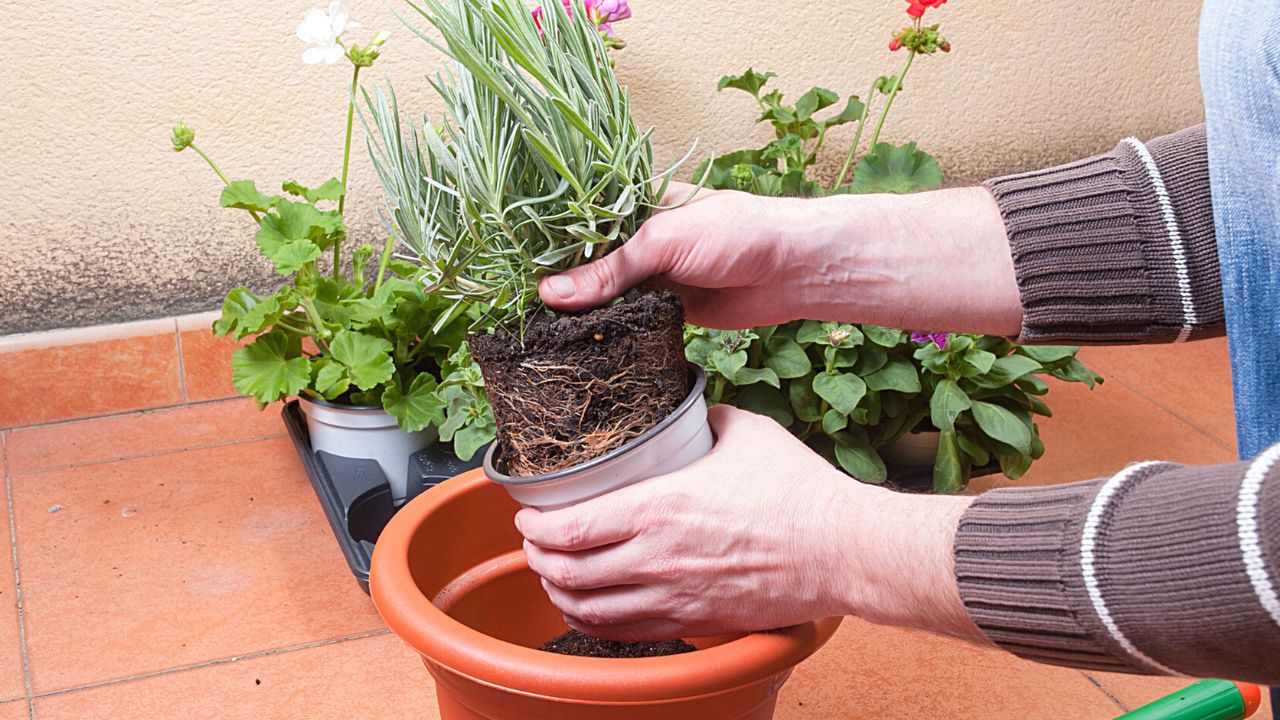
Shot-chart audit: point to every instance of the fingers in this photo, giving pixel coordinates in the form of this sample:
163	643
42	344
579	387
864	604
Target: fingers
586	570
596	283
619	605
587	525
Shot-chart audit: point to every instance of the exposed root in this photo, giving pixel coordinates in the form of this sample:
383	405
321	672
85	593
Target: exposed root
607	377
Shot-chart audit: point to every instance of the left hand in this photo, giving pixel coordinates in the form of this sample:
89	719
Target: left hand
753	536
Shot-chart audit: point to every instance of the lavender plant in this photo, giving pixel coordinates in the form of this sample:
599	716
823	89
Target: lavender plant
536	165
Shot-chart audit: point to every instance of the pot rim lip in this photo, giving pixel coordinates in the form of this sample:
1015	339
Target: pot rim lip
339	406
695	395
460	649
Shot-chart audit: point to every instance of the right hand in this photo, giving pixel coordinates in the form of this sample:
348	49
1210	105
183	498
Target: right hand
729	255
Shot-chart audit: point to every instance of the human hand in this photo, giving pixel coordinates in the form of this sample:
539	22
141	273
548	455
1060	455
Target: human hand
729	254
933	260
761	533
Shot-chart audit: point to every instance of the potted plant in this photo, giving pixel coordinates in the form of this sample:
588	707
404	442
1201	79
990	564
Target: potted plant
537	166
351	334
861	394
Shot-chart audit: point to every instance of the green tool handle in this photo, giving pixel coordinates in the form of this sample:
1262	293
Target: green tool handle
1205	700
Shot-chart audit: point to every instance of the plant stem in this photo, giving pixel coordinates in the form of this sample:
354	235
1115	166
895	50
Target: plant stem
382	263
897	85
857	137
346	164
221	177
718	390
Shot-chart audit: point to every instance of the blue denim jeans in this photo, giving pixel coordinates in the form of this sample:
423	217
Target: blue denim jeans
1240	74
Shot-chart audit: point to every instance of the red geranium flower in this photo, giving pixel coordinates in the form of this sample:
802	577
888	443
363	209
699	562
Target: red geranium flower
916	8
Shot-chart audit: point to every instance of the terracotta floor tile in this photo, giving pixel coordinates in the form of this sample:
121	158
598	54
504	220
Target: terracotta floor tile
175	559
376	678
53	383
13	710
1096	433
1193	380
12	683
206	364
869	672
1138	690
154	431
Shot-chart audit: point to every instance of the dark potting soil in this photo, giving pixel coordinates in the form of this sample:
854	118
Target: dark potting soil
582	384
576	643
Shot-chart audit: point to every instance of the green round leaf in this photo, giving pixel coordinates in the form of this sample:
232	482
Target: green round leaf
785	357
264	369
842	390
895	169
367	358
416	409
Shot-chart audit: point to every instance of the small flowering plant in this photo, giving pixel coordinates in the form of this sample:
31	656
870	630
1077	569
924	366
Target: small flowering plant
850	390
352	328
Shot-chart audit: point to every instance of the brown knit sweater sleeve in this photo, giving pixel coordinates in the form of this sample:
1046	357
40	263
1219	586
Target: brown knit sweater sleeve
1159	569
1117	248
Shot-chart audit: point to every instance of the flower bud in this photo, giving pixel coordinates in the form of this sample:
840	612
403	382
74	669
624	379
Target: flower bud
183	136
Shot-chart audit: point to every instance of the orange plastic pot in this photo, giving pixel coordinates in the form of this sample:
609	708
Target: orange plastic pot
450	579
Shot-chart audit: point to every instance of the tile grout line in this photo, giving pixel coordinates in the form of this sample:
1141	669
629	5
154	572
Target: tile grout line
157	453
123	413
182	371
17	579
1212	438
215	663
1102	688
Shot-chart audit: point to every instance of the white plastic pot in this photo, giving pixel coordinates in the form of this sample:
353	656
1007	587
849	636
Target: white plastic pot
679	439
913	448
367	432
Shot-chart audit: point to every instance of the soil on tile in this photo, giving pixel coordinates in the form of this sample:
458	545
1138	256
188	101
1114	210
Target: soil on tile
578	385
576	643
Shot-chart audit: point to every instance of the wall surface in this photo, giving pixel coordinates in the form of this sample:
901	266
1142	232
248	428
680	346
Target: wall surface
101	222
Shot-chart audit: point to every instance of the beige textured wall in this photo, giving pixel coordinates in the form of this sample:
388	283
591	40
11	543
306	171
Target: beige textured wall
102	223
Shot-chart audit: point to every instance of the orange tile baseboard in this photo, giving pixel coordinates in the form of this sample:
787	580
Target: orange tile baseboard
78	373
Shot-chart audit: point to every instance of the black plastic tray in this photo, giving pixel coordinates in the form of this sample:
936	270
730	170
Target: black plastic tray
355	494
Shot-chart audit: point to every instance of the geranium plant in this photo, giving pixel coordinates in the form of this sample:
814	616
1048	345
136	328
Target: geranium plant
850	390
351	327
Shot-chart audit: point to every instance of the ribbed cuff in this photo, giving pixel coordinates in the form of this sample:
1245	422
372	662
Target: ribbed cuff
1016	575
1118	247
1143	572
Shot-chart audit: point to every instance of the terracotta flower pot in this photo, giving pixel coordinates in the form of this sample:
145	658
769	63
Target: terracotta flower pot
476	614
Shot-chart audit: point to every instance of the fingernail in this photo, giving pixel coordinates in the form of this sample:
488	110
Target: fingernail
518	528
561	286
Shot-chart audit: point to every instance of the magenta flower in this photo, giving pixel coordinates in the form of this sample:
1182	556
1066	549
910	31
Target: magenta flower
601	12
937	338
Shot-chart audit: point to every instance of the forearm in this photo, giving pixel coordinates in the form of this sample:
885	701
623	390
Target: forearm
900	563
935	260
1117	248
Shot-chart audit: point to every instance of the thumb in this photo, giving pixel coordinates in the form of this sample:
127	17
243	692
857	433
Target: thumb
597	283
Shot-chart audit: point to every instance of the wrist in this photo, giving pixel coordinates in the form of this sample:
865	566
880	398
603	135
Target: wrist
900	560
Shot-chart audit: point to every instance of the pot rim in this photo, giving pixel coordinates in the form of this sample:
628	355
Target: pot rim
432	633
695	394
340	406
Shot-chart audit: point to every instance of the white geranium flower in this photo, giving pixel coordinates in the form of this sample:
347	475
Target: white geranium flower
323	30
